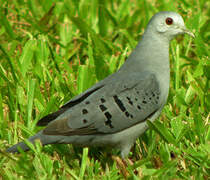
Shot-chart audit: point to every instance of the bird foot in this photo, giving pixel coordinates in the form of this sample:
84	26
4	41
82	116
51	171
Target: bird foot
122	165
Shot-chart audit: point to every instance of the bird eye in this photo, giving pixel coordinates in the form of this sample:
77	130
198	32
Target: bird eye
169	21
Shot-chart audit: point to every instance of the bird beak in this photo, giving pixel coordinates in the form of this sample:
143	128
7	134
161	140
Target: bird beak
186	31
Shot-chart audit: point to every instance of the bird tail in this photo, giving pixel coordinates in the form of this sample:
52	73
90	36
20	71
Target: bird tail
22	145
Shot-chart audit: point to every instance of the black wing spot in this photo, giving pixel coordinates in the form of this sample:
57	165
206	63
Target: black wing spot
119	103
136	99
84	121
157	97
129	101
145	102
150	98
139	107
103	100
153	94
87	102
108	115
127	113
108	122
102	107
84	111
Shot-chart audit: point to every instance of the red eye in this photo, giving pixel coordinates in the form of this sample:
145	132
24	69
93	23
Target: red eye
169	21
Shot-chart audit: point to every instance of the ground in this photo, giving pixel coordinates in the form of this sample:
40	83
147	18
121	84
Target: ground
51	51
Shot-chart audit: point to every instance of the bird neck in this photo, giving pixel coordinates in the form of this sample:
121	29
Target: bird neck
151	54
155	59
155	50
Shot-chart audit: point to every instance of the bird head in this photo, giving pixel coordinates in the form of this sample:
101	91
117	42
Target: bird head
168	24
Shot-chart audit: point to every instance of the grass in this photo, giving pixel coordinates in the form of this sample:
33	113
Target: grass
51	51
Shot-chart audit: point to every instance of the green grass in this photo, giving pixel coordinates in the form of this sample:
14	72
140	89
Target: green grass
51	51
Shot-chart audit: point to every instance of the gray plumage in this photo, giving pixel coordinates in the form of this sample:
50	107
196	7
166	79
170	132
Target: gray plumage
114	111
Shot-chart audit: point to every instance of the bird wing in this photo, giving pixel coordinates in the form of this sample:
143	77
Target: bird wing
114	106
76	100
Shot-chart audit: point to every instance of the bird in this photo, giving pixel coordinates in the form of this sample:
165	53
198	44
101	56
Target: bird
114	112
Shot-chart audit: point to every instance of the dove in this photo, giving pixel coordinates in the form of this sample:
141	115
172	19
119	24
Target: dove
114	111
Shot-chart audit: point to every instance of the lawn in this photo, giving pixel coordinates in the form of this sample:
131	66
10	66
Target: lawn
51	51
